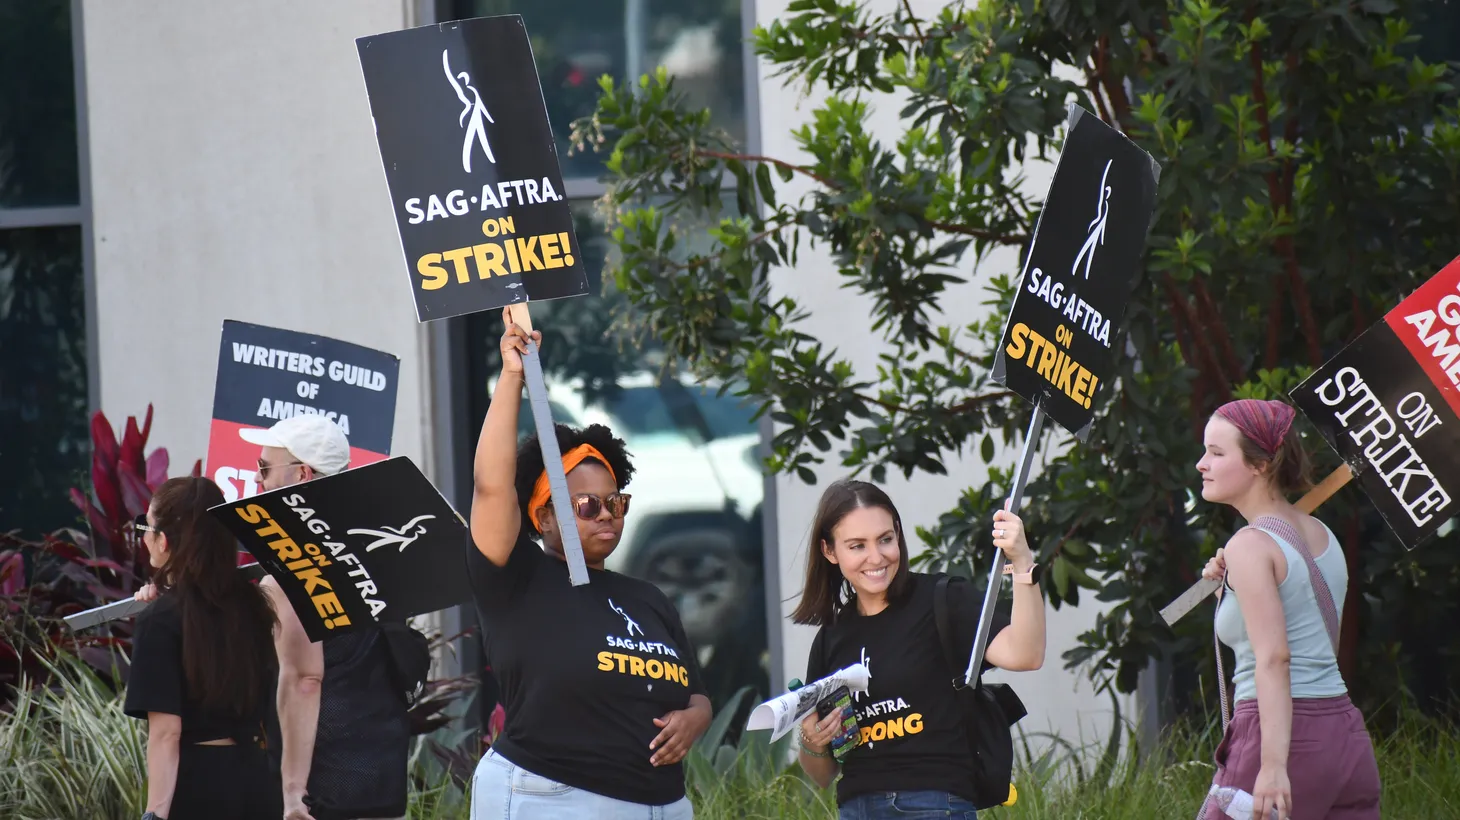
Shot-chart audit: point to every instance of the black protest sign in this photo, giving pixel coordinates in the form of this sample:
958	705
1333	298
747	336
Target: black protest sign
1057	346
1390	405
266	374
472	166
374	543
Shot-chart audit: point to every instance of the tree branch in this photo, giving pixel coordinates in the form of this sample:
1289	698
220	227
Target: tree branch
912	18
1204	359
946	227
1114	86
961	407
1280	202
1274	324
1092	83
1216	327
779	163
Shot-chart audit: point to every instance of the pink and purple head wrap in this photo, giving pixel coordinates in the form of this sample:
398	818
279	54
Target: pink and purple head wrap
1266	423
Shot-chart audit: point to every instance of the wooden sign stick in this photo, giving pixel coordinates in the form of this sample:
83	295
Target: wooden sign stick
552	457
1198	592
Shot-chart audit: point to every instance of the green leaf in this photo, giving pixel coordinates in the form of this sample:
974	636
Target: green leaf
763	182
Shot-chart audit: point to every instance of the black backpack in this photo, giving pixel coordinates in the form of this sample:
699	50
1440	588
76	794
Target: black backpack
988	710
410	659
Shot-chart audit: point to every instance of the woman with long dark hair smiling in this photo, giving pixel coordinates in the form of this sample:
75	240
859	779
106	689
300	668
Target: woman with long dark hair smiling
202	666
873	609
600	685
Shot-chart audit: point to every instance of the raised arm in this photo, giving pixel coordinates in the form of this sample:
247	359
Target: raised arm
1020	646
495	518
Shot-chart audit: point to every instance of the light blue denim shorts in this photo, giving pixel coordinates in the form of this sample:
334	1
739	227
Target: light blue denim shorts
502	790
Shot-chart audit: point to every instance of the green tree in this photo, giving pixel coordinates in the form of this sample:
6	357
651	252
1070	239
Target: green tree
1311	178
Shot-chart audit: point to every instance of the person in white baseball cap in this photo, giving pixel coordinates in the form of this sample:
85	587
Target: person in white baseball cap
343	735
298	449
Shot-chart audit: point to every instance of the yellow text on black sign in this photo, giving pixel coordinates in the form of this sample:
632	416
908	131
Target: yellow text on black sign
304	561
1049	360
501	255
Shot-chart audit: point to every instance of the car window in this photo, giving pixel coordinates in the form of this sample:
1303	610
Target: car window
526	426
641	411
727	415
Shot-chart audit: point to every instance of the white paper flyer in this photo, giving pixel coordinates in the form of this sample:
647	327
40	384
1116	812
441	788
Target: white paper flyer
785	712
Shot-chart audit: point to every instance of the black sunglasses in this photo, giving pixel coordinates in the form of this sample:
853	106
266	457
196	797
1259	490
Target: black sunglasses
140	525
587	506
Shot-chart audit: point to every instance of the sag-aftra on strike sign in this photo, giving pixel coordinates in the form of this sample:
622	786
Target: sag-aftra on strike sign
1058	346
472	166
1390	405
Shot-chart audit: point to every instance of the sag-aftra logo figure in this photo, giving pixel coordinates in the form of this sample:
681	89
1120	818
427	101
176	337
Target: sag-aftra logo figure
476	130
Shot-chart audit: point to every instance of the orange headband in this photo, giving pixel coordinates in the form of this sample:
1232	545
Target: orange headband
542	493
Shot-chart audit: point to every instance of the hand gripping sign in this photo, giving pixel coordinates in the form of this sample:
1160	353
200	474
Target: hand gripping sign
266	374
477	190
1058	346
378	542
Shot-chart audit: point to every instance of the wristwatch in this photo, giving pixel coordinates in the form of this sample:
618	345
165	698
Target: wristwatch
151	815
1031	577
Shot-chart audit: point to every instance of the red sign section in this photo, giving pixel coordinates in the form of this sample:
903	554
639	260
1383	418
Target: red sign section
1428	323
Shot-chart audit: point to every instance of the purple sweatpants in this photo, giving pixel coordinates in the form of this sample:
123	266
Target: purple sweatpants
1331	762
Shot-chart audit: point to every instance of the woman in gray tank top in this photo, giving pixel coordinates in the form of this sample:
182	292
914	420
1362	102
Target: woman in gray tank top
1295	742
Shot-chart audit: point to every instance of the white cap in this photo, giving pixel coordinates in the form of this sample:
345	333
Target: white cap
313	439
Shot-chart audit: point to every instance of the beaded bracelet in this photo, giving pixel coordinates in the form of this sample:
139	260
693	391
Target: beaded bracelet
808	750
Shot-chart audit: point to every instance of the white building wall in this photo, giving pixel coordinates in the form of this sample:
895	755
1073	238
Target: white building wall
1059	701
234	175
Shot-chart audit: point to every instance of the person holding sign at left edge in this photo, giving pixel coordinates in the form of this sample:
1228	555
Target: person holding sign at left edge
600	685
202	667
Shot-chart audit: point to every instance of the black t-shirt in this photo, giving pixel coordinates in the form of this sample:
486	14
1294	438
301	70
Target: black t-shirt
363	734
157	682
912	735
584	671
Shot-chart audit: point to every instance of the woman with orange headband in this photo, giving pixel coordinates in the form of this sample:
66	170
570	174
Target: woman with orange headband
599	683
1296	743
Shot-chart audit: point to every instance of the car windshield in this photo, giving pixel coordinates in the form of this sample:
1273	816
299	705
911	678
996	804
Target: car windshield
678	410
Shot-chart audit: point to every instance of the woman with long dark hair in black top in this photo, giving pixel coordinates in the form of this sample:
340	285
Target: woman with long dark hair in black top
600	685
913	759
202	666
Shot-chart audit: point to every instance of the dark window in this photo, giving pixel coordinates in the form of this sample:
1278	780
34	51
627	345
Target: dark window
44	443
1437	22
578	41
37	105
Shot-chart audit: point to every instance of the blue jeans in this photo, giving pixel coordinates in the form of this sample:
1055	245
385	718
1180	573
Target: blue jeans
906	806
502	790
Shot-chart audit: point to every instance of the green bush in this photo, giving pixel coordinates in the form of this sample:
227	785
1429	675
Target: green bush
67	752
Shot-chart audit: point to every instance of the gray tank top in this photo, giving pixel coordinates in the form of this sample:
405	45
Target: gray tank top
1314	668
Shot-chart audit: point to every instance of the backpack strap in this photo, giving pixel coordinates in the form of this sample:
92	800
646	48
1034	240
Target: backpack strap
942	622
1326	606
1275	526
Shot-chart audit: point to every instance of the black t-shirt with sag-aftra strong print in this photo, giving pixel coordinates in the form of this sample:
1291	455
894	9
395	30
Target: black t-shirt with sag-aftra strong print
583	671
912	739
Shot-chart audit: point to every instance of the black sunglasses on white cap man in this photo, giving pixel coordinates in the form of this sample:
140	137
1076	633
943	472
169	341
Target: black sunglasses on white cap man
314	441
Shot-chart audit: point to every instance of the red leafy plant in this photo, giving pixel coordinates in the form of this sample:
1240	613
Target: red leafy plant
67	571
